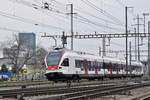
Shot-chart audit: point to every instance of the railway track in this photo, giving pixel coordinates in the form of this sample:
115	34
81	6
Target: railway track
97	92
50	90
19	84
34	83
80	90
143	97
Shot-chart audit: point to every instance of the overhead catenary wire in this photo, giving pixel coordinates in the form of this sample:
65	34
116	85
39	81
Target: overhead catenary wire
123	5
87	13
87	2
92	22
11	30
28	20
29	4
38	7
102	19
41	9
98	24
131	12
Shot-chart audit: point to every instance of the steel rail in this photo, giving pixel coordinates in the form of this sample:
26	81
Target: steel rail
97	92
50	91
60	89
20	84
101	92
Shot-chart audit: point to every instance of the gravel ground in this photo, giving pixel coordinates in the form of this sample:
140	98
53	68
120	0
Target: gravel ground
129	94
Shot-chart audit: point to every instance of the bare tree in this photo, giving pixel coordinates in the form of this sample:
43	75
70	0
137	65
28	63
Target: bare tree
40	55
18	54
38	60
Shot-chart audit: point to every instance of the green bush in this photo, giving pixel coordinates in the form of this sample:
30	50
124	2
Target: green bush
4	68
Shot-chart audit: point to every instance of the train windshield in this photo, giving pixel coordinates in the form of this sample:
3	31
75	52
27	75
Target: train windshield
53	58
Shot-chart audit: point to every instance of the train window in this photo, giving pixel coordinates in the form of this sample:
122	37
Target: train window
116	67
92	65
119	67
113	67
122	66
53	58
99	66
89	65
82	67
81	64
104	65
107	66
65	62
132	68
77	63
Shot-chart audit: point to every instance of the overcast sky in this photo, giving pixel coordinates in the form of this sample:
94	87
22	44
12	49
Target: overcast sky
101	16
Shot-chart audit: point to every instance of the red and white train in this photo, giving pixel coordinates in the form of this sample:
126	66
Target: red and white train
69	65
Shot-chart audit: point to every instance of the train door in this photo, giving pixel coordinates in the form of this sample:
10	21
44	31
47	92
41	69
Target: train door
85	65
110	66
96	67
117	69
65	65
72	68
104	67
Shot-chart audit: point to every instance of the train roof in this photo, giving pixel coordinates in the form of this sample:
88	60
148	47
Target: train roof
92	56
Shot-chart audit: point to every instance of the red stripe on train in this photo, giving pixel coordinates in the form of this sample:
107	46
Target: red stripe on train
117	69
52	67
96	71
110	68
85	66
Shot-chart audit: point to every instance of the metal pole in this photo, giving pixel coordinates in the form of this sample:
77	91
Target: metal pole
138	37
63	42
55	41
135	45
130	57
104	47
126	27
145	14
99	51
149	49
144	22
71	26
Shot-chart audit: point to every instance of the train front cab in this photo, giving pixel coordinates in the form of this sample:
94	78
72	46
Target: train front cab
64	68
52	61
